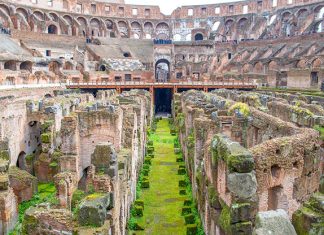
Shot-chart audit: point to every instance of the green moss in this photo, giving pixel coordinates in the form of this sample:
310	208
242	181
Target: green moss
94	196
53	164
77	197
46	125
30	158
46	138
320	130
225	219
243	108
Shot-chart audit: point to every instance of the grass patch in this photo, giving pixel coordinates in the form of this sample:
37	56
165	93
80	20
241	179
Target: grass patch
163	204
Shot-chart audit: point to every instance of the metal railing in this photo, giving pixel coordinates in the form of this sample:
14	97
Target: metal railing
171	83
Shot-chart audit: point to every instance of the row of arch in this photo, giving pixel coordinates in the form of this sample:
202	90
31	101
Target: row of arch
259	67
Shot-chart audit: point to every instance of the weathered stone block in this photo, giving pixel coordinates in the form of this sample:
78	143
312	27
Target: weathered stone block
243	185
186	210
189	219
93	210
145	184
104	158
240	212
273	222
192	229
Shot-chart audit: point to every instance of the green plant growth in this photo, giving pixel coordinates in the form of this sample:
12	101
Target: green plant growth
321	131
46	194
243	108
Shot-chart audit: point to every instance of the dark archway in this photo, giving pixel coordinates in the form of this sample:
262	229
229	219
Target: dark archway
11	65
52	29
21	161
162	100
162	70
27	65
82	185
199	37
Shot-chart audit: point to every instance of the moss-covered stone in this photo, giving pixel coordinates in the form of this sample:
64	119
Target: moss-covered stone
187	202
189	219
4	154
192	229
225	219
46	138
145	184
147	161
77	197
139	203
186	210
182	192
182	183
138	210
179	159
150	150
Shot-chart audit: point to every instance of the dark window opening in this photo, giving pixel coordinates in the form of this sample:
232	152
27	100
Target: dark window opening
52	29
162	99
118	78
48	53
127	54
199	37
102	68
231	8
179	75
128	77
314	78
229	56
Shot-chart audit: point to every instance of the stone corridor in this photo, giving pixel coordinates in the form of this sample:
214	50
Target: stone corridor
162	201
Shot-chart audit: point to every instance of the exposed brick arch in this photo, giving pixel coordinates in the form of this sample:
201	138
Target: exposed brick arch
273	65
123	29
162	31
136	30
317	63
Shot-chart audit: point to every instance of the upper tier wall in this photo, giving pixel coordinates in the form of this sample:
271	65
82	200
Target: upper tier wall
116	8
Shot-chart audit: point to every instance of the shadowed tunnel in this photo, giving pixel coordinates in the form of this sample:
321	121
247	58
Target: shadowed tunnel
162	100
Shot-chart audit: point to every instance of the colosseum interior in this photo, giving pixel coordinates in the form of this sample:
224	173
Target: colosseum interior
118	119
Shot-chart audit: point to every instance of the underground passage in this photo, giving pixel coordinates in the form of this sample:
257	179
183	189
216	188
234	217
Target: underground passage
162	100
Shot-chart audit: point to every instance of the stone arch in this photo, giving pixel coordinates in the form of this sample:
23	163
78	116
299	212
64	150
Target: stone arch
22	20
136	30
95	28
5	8
316	63
123	29
26	65
10	65
83	25
247	68
273	65
148	28
319	11
258	67
318	27
54	67
68	19
38	15
285	16
301	64
68	65
52	29
242	24
162	70
199	37
52	16
162	31
229	23
302	13
215	26
177	37
21	161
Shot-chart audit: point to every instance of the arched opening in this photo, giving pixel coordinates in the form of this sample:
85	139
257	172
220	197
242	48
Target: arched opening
177	37
162	70
277	199
82	185
10	65
52	29
127	54
21	161
162	100
54	67
162	31
102	68
27	65
199	37
215	26
68	66
188	37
